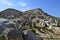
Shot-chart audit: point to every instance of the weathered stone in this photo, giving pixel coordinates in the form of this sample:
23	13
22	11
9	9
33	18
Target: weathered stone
12	34
28	35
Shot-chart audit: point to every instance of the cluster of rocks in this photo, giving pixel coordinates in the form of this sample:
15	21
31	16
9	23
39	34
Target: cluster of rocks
14	31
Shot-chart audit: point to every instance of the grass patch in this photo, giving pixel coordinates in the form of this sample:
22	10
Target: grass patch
50	30
0	38
27	26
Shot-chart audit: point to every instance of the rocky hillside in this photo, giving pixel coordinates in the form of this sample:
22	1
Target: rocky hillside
33	24
38	13
10	13
38	16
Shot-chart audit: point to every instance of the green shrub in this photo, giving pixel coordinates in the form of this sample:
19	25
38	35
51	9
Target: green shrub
27	26
33	30
2	38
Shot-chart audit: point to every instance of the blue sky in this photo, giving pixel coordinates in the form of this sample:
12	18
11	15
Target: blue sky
52	7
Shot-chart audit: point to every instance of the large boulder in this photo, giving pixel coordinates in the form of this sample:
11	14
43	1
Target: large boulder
12	34
28	35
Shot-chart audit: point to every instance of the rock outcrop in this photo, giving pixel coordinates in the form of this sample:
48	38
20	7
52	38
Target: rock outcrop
28	35
12	34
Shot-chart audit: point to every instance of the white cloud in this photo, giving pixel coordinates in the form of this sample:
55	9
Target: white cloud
6	2
25	9
23	4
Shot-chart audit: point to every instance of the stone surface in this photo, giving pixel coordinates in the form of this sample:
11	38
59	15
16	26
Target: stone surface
28	35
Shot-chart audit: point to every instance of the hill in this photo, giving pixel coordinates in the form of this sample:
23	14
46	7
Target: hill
10	13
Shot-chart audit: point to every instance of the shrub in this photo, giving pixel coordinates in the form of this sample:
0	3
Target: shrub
33	31
2	38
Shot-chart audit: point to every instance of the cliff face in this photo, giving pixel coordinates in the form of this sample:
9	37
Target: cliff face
33	24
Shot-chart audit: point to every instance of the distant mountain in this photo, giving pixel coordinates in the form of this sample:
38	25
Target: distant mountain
37	13
10	13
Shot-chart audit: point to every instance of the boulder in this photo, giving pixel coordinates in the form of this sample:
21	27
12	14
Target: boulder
15	35
12	34
28	35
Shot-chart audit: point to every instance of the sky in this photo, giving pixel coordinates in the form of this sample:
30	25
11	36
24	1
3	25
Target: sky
52	7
